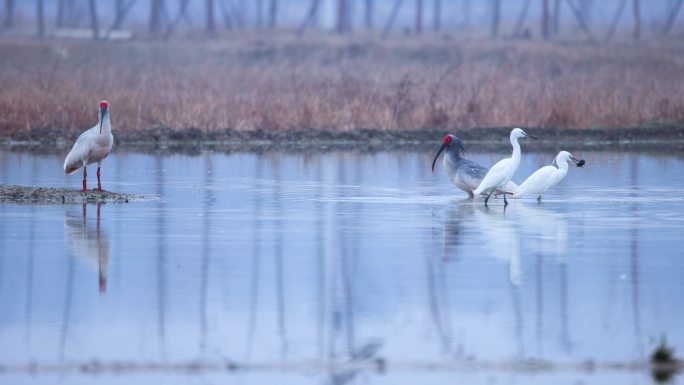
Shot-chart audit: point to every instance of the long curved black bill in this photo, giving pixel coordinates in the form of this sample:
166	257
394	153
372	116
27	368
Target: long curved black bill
101	119
437	156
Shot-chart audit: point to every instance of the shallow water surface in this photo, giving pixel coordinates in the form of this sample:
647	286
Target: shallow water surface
292	266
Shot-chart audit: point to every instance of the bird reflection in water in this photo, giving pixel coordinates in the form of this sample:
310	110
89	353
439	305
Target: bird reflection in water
522	230
88	243
501	240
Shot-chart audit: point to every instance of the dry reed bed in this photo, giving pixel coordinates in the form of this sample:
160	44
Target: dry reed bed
338	85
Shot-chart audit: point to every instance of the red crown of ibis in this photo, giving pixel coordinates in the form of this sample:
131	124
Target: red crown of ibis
447	140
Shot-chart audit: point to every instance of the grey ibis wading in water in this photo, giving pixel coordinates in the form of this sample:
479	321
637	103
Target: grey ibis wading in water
464	174
501	173
92	146
547	176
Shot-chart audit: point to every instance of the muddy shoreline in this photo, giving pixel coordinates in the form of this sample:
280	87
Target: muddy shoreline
663	137
58	195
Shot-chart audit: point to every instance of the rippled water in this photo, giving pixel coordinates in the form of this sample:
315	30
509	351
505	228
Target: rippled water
292	263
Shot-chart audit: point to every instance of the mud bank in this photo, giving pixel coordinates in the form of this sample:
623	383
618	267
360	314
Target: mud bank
666	136
52	195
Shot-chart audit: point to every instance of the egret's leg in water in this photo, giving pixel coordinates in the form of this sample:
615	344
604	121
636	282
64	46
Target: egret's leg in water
99	186
505	201
487	199
539	199
84	179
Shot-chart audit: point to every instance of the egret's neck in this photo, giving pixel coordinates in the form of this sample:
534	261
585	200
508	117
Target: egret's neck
562	166
516	151
106	124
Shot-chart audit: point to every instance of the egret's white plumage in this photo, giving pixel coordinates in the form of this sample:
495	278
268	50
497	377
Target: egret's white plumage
547	176
501	173
91	146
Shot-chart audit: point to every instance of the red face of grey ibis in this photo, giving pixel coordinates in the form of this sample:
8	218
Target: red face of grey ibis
445	143
104	107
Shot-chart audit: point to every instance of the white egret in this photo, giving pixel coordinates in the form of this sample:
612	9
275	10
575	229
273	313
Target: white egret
463	173
547	176
501	173
92	146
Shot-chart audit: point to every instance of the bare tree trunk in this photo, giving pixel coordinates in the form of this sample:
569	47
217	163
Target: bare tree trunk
556	17
228	15
586	9
393	15
672	16
182	9
9	13
636	31
93	19
496	13
309	16
155	16
437	15
545	19
419	17
120	16
616	19
238	11
466	12
70	14
369	14
118	9
580	20
259	14
348	16
40	18
60	13
341	15
521	18
272	13
211	25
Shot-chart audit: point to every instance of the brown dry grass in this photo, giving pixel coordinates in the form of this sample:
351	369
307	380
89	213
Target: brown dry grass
339	85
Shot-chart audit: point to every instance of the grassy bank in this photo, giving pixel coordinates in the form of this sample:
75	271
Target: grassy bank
655	138
339	86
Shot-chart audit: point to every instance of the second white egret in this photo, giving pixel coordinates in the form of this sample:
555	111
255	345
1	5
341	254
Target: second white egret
547	176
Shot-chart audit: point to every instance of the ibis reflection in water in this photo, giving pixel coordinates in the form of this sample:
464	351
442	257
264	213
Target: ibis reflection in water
87	243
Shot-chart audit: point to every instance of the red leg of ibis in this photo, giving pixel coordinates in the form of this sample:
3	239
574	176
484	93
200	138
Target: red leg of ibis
84	179
99	186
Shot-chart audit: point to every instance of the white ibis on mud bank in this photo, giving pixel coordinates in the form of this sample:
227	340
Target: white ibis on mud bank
464	174
547	176
92	146
501	173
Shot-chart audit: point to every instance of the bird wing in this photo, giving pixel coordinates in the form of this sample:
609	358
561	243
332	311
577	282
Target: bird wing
538	182
80	150
494	177
470	173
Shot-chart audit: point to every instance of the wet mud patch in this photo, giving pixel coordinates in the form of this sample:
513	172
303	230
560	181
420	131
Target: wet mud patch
59	195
